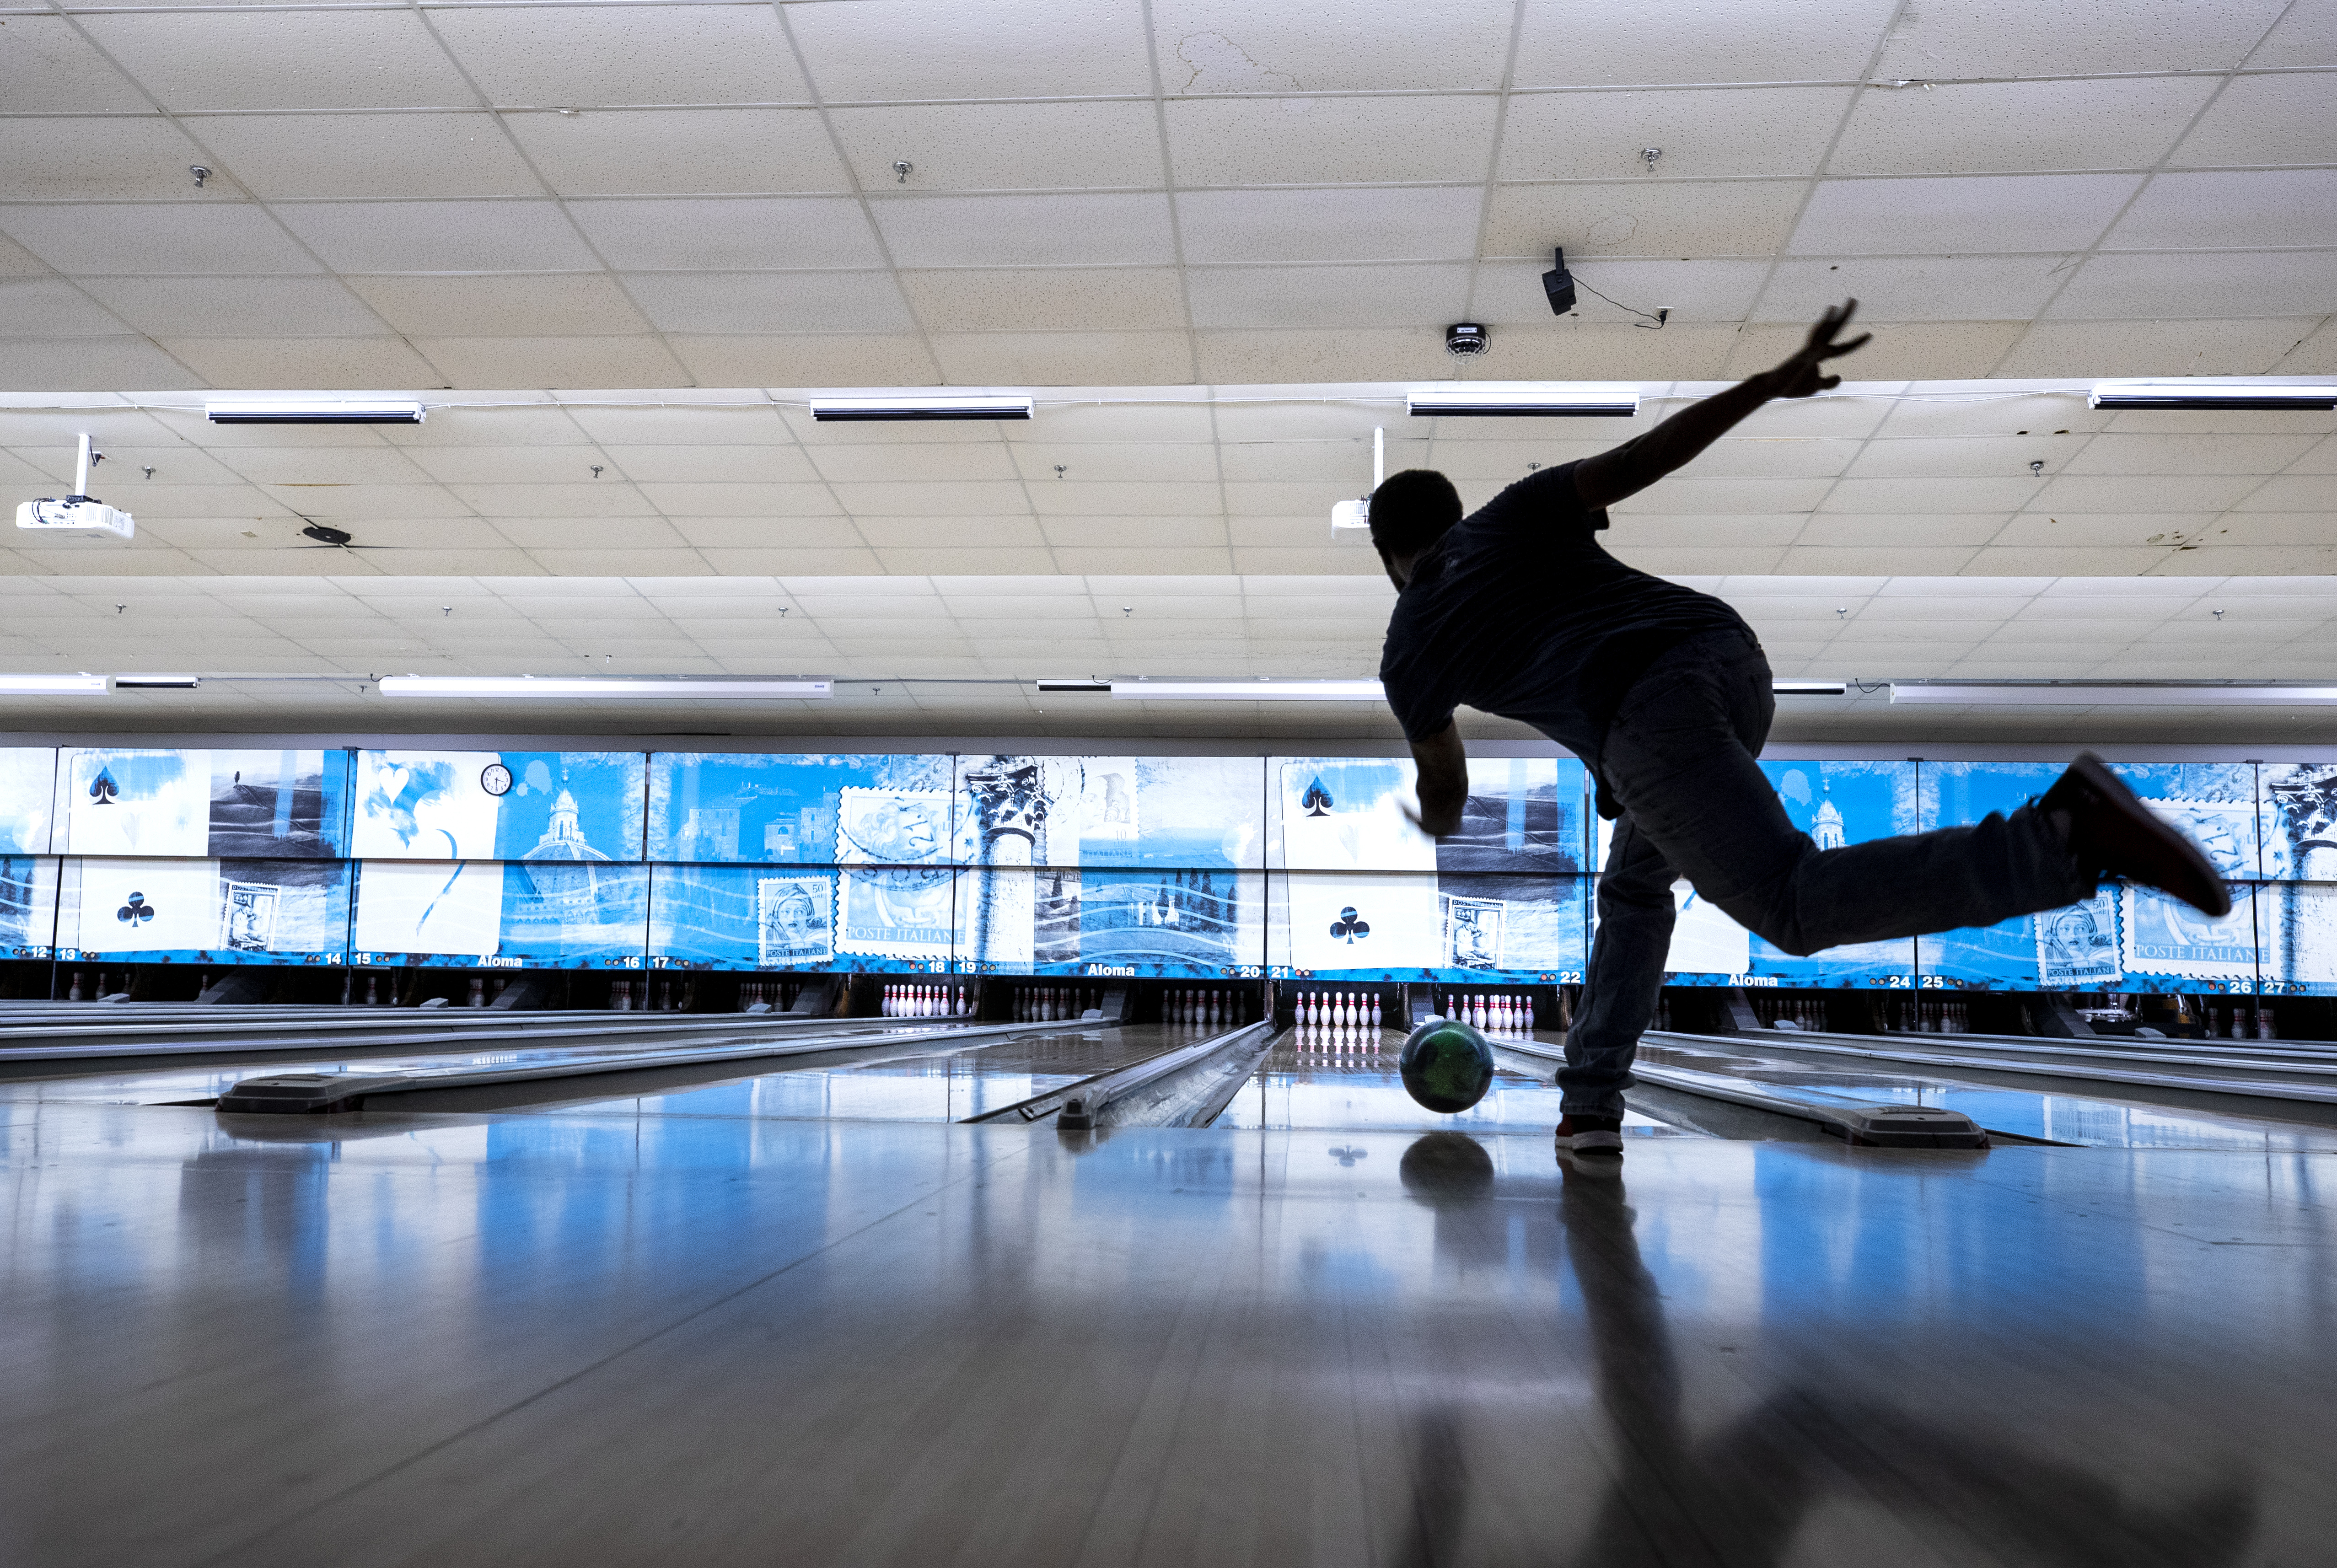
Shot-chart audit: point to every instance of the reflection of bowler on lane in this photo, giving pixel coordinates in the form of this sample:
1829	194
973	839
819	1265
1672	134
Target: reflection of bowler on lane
1666	695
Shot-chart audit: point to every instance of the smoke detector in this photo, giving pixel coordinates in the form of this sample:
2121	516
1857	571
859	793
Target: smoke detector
1463	339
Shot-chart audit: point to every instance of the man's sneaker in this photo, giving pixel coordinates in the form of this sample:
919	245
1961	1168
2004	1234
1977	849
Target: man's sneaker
1592	1135
2113	834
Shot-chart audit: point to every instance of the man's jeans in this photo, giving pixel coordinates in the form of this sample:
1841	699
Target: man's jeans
1679	761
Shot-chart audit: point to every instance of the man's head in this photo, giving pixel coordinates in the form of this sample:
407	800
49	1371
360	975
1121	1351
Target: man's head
1410	512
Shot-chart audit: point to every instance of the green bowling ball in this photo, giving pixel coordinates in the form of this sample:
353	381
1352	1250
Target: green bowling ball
1447	1066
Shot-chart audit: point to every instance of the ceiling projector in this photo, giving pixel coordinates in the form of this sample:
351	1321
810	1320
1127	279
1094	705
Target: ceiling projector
79	512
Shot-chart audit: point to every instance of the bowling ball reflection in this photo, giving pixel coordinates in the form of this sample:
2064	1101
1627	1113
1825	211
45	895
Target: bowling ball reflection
1446	1065
1446	1168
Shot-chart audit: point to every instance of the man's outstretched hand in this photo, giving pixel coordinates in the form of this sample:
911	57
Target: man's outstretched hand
1803	374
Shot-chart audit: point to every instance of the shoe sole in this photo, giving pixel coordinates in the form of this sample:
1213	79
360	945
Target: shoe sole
2213	899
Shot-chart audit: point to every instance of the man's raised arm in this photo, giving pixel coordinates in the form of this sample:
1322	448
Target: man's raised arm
1603	480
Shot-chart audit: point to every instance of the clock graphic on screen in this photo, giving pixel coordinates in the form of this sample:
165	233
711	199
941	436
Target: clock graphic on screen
495	779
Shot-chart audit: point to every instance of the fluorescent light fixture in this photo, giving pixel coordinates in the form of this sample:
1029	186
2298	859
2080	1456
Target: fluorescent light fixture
1546	401
923	406
2110	693
1808	688
657	688
2207	394
1249	692
1069	684
314	411
52	685
157	683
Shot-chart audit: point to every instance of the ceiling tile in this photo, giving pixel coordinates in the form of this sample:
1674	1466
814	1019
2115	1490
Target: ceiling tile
1122	461
1376	45
1885	497
1424	297
2077	37
601	55
537	535
905	460
1020	533
1917	289
51	365
511	464
572	362
97	238
49	68
737	465
682	152
1649	218
1901	351
1969	529
1958	457
875	50
2016	127
2311	492
683	234
1063	359
2172	453
588	498
324	364
811	360
628	563
1576	43
2139	492
2116	347
2199	284
93	159
1414	224
1110	532
1329	141
368	156
441	236
1069	230
2306	34
1001	146
2276	118
770	301
1702	134
715	534
283	58
238	307
53	307
1960	216
968	498
2230	209
701	498
580	304
1097	300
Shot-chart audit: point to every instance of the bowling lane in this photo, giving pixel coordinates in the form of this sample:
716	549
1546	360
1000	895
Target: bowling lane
1347	1080
955	1086
2055	1118
149	1084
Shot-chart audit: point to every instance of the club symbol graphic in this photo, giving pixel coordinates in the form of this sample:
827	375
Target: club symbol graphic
137	912
1349	927
1317	800
103	788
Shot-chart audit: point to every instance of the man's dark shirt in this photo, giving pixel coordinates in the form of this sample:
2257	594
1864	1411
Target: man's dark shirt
1517	612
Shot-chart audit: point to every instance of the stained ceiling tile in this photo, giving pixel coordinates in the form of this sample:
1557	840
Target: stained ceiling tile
1683	218
1576	43
1207	46
2016	127
2073	38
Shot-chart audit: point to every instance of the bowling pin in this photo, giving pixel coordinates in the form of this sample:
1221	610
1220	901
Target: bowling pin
1376	1009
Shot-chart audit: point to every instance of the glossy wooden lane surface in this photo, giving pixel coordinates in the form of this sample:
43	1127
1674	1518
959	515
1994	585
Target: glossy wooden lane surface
568	1338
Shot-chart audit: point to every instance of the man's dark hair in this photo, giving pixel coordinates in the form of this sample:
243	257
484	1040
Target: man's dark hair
1411	510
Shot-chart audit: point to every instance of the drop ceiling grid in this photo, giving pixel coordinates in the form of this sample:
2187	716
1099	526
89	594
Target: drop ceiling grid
868	201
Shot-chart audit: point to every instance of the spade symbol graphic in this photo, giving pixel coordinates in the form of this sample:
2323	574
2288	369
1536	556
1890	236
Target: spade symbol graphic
1349	927
1317	800
103	788
137	912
